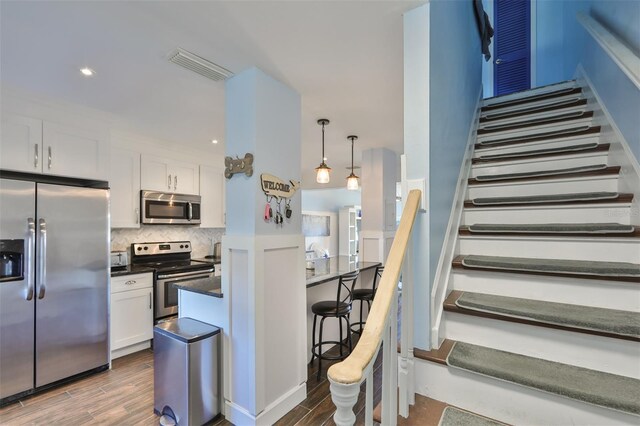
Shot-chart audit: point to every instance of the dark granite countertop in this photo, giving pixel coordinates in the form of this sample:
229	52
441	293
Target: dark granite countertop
117	271
327	269
207	286
214	260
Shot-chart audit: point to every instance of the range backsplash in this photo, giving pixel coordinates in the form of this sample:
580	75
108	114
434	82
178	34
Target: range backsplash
202	239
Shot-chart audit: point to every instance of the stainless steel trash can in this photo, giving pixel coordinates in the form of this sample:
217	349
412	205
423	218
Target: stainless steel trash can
186	371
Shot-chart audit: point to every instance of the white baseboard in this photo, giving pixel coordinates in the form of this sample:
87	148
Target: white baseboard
271	414
117	353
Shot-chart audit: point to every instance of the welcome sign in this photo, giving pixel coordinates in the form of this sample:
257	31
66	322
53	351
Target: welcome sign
273	186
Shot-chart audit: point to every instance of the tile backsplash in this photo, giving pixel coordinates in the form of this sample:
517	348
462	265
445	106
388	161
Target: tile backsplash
202	239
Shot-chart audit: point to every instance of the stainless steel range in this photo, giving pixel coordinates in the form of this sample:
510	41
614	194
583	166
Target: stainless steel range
172	264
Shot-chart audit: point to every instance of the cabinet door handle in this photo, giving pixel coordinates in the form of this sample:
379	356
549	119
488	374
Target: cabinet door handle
50	155
137	213
175	183
169	182
149	300
35	156
130	282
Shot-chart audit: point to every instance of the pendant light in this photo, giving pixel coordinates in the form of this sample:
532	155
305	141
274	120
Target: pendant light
322	171
352	179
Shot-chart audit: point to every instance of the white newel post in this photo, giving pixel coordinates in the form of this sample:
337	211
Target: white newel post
344	397
263	262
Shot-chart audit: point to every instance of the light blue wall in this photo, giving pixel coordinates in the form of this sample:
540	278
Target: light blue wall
548	41
619	95
434	145
329	200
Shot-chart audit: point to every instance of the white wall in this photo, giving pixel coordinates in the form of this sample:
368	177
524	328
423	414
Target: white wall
330	242
440	100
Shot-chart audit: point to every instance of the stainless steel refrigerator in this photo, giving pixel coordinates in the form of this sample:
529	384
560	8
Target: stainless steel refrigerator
54	250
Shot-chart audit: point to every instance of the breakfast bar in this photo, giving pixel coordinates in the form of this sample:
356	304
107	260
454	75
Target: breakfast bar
322	284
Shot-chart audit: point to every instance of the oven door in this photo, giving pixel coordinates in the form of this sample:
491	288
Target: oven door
166	208
166	300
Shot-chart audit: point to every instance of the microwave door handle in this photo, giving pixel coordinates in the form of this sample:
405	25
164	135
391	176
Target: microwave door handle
189	211
43	259
31	225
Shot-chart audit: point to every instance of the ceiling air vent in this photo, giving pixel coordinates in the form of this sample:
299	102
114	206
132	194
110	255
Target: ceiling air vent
199	65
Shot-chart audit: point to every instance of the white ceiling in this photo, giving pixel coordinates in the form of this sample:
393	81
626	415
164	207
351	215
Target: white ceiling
343	57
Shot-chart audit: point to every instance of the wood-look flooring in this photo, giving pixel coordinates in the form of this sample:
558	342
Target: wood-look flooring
120	396
124	396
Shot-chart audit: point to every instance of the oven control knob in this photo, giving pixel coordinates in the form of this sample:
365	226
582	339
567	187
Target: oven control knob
146	248
181	246
139	248
186	246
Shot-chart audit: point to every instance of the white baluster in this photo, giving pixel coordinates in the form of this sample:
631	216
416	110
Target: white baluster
368	407
405	375
344	398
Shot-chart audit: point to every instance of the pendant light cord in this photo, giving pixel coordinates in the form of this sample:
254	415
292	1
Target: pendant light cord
322	143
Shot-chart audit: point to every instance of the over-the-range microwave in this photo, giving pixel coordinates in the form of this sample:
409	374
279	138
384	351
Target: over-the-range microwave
162	208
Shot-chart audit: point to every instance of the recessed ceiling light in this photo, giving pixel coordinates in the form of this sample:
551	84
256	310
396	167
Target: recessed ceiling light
87	72
214	141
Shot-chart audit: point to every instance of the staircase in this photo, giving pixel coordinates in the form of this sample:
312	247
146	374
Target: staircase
541	322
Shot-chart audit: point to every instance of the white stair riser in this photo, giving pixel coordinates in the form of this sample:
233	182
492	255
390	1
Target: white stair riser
530	92
534	130
542	144
599	293
618	250
531	116
597	213
528	105
532	165
615	356
508	402
544	187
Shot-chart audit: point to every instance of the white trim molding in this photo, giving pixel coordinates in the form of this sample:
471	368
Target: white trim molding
624	57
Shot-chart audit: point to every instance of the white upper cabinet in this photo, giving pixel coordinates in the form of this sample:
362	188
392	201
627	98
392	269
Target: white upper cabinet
36	146
21	143
213	197
124	182
165	175
72	151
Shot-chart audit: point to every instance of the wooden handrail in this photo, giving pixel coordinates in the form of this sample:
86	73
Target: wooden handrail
351	370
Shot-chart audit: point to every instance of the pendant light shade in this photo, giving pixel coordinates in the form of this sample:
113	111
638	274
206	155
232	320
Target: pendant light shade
322	171
352	179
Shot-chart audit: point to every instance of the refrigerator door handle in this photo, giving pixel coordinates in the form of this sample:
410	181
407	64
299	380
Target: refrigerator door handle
31	225
43	258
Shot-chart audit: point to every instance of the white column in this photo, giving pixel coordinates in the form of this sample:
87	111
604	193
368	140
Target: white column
378	180
263	264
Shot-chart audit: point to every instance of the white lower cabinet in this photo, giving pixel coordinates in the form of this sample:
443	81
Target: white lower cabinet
131	313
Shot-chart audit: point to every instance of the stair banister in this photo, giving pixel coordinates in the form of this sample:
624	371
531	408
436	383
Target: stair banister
380	331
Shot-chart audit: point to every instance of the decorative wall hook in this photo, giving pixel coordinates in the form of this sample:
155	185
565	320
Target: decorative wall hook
238	165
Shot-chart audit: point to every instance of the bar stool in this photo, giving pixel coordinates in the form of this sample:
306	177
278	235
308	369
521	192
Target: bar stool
339	308
366	295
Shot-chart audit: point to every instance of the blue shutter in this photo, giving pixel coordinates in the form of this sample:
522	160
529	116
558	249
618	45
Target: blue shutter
512	49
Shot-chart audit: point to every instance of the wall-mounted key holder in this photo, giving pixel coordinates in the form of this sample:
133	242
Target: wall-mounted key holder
238	165
279	191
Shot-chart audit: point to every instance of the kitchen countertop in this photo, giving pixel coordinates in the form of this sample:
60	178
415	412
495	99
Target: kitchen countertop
118	271
207	286
214	260
327	269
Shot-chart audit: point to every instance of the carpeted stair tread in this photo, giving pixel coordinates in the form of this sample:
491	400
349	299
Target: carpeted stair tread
564	229
549	152
583	268
533	98
572	172
590	386
584	130
610	322
554	106
453	416
547	199
557	119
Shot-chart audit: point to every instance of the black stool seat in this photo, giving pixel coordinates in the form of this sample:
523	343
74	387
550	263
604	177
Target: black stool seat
328	308
339	308
363	294
366	295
